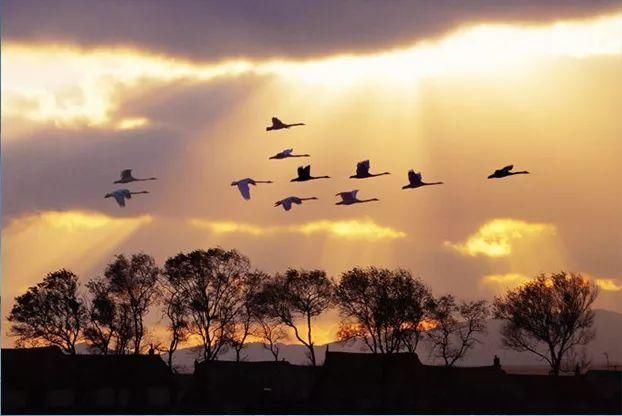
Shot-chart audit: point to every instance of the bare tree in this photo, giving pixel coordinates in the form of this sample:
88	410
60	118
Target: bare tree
132	283
246	312
272	333
211	283
383	308
548	316
298	295
456	327
49	312
175	309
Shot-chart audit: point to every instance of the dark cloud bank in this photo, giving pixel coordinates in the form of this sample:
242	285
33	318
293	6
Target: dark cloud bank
205	30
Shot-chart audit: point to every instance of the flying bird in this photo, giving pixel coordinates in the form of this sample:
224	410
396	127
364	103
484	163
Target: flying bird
304	174
349	198
362	171
242	185
286	203
503	172
279	125
287	153
415	180
126	177
120	195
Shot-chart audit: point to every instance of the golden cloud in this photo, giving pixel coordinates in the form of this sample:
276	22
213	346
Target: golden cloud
362	229
73	85
609	285
504	281
495	238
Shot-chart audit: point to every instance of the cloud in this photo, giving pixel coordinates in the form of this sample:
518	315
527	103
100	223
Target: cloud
609	285
496	238
295	28
364	229
504	281
80	86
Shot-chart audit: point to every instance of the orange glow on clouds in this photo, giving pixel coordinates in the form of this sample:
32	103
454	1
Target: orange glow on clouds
69	85
496	237
357	229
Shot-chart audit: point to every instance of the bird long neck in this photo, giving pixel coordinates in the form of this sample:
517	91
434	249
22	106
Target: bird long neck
380	174
519	172
139	192
307	199
145	179
432	183
296	124
263	181
368	200
319	177
298	155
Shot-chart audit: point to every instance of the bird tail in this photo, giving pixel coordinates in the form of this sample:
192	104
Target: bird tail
269	128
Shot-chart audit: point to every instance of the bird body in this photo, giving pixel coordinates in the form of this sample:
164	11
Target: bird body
304	174
362	171
349	198
506	171
120	195
126	177
415	180
243	186
286	203
287	153
279	125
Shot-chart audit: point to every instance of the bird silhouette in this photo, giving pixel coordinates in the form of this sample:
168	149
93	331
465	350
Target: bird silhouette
242	185
415	180
349	198
362	171
126	177
286	203
287	153
503	172
120	195
279	125
304	174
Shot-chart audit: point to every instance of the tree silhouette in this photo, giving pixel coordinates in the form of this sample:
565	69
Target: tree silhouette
548	316
298	295
175	309
383	308
102	324
132	284
211	283
246	313
456	327
49	312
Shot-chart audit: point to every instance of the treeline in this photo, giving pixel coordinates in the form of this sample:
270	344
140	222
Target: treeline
216	297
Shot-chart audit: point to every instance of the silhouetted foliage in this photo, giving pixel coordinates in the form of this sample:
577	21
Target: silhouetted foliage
553	312
105	330
456	327
211	283
132	285
246	312
298	295
175	310
49	312
382	307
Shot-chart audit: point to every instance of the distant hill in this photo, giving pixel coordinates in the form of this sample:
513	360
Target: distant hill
608	339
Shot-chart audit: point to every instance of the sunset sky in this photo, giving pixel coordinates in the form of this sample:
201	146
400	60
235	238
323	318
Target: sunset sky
183	90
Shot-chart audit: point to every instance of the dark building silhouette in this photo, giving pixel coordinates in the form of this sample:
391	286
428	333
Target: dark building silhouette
44	380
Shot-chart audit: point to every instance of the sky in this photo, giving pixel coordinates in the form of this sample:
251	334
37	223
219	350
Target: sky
183	90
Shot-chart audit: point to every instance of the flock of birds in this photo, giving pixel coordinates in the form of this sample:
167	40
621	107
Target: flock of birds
415	180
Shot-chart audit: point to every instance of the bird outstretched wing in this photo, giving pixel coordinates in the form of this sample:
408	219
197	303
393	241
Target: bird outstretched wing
362	168
414	177
307	170
120	198
277	123
301	171
507	168
244	190
126	174
287	152
287	204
